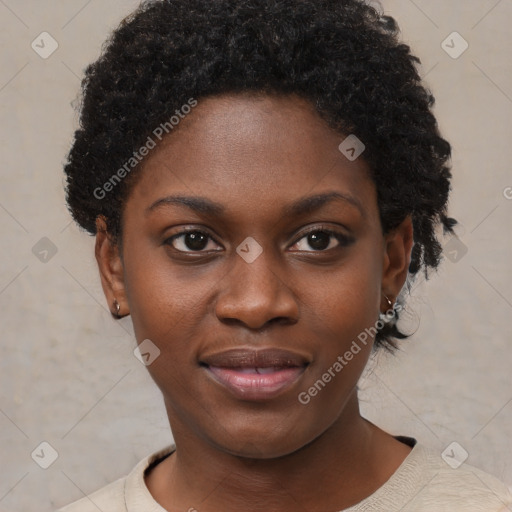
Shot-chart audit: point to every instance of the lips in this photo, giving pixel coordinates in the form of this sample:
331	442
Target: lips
255	374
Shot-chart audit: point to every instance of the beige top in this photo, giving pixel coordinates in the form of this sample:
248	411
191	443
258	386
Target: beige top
424	482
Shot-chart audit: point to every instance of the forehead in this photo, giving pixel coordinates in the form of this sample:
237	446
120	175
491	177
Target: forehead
251	151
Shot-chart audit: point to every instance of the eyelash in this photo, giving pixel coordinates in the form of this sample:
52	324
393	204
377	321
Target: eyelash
342	239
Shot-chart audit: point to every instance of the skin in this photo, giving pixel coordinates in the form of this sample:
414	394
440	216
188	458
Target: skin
254	155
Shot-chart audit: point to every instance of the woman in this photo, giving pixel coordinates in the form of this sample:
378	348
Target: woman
262	177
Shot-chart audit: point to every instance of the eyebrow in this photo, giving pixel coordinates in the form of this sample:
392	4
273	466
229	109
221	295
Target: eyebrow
302	206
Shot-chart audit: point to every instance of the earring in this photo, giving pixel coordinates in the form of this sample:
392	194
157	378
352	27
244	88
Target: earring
118	308
384	317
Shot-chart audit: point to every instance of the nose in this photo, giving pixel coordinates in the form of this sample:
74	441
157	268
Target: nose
254	295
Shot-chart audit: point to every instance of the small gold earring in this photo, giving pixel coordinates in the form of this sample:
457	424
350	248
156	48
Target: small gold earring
383	316
118	308
390	303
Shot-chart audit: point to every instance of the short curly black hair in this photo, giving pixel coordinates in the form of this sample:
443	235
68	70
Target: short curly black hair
343	56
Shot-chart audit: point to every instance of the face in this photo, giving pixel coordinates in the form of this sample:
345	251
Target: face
253	257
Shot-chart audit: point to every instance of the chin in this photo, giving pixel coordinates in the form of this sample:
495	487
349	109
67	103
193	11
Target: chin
268	442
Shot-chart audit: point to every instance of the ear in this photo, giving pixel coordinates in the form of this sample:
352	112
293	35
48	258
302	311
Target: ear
397	257
111	270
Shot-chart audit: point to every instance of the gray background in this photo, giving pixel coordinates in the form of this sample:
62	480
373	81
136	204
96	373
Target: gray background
68	375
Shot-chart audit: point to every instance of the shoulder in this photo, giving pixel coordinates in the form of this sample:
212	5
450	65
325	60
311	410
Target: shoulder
453	487
110	497
427	482
126	493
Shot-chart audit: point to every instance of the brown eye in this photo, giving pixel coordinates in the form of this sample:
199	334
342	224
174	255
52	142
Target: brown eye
321	240
189	241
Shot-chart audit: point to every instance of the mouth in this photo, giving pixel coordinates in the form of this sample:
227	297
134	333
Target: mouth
255	374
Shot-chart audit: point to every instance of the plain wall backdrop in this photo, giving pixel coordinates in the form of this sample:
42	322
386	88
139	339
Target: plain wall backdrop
68	375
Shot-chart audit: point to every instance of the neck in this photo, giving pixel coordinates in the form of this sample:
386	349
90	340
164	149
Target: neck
334	471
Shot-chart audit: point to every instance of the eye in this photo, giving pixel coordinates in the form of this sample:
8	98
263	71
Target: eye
193	240
321	240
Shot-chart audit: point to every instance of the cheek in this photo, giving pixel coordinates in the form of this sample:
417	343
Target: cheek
164	301
349	300
343	349
343	316
169	306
